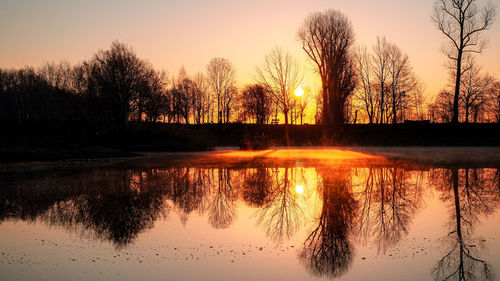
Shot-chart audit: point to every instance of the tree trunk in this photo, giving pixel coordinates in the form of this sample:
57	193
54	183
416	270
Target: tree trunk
454	119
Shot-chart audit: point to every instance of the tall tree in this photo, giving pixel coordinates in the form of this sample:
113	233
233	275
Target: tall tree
327	38
402	81
381	58
281	75
463	23
221	77
366	93
118	74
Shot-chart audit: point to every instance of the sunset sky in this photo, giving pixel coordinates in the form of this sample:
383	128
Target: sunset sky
172	33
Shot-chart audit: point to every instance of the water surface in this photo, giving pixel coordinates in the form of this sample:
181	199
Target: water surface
271	215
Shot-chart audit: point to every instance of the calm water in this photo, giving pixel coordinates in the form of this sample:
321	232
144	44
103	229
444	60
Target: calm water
330	216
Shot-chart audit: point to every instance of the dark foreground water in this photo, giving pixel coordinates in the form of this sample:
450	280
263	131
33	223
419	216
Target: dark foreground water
331	215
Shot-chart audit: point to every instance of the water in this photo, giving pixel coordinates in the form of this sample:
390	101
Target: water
272	215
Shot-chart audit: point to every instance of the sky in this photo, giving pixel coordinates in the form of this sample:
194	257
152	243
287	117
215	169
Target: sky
175	33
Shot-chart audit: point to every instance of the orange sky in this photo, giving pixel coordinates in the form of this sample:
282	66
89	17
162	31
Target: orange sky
173	33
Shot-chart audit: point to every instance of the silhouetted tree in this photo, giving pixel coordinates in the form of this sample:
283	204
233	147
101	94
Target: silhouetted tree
475	91
327	38
494	104
463	23
202	102
402	81
280	74
256	101
441	109
221	77
119	75
366	93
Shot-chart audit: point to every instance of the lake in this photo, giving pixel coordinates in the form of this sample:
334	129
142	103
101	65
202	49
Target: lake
278	214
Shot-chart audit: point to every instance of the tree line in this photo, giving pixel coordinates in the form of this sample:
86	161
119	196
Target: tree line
358	84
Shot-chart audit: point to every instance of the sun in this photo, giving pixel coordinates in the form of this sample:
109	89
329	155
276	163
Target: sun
299	91
299	189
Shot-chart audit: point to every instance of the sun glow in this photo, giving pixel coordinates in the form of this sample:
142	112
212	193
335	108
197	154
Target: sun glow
299	189
299	91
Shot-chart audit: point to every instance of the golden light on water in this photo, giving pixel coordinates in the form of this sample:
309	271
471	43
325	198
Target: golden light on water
323	154
299	91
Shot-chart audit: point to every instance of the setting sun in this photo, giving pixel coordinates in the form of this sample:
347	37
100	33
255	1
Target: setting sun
299	91
299	189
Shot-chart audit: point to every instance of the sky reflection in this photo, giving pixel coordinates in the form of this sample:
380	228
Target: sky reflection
327	213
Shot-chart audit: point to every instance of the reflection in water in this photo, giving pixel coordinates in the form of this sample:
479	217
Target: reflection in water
473	193
343	205
388	201
327	250
222	210
281	214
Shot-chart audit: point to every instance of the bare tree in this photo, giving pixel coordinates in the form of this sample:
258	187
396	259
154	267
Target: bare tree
494	104
381	58
118	74
183	94
462	22
221	76
441	109
475	91
201	102
281	75
418	101
327	38
402	81
57	75
228	102
256	101
304	101
366	93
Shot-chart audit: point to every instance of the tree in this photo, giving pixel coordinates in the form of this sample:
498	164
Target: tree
387	82
494	104
302	104
475	91
327	38
221	76
381	59
281	75
201	102
366	93
157	95
256	101
118	74
182	95
441	109
463	23
228	102
402	81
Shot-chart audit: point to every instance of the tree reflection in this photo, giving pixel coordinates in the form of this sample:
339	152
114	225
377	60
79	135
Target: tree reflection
473	193
388	202
257	185
327	251
222	210
281	214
